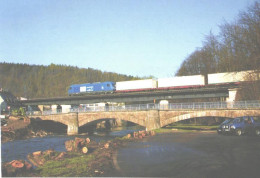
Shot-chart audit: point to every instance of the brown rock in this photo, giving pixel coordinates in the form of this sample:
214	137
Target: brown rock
106	145
37	153
61	156
69	145
17	164
28	166
135	134
49	152
79	142
87	140
11	162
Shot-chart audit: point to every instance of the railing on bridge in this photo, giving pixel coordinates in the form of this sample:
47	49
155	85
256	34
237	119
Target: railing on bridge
170	106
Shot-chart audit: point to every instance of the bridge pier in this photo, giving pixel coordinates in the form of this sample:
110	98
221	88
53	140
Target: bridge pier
152	120
73	125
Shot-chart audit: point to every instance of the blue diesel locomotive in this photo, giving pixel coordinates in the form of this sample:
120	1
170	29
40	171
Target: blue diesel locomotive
104	87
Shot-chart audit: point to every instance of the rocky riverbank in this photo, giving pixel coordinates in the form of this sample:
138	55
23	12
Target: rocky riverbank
17	129
23	133
83	158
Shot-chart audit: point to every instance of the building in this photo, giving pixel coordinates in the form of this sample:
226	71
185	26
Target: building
8	102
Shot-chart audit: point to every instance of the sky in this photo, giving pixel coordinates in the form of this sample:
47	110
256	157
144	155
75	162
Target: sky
132	37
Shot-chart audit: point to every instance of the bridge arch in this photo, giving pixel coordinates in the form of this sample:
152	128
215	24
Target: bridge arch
135	117
55	118
209	113
69	119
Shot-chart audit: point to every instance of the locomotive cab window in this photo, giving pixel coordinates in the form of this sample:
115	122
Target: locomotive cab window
108	85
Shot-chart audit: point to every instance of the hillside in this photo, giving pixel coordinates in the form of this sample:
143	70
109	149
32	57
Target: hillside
235	48
34	81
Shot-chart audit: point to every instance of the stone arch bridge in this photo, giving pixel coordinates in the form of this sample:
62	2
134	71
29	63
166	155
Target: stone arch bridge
150	119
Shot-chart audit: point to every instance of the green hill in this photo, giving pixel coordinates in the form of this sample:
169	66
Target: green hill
34	81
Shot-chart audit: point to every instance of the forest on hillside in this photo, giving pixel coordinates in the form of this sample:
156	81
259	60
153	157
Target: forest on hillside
235	48
34	81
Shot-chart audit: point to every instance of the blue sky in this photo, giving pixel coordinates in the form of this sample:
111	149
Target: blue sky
133	37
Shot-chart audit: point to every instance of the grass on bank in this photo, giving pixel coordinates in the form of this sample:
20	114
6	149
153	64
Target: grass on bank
192	127
186	128
96	162
77	166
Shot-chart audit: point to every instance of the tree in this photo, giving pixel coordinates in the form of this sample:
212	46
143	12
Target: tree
236	48
49	81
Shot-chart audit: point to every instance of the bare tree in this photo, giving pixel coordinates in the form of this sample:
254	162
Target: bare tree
236	48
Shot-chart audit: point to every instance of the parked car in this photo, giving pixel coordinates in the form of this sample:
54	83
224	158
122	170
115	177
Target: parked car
244	125
224	126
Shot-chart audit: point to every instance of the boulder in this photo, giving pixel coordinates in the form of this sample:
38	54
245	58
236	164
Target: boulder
88	140
28	166
61	156
37	153
17	164
49	152
69	145
106	145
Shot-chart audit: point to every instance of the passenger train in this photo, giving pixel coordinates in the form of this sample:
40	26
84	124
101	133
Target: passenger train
178	82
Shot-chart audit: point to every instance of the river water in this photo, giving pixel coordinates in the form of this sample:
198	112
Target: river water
180	154
19	149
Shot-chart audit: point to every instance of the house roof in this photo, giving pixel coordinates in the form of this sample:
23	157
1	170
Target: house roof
9	98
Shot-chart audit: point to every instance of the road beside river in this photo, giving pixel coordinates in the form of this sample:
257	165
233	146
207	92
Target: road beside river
190	154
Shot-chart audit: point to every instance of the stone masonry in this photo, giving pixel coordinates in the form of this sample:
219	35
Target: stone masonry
150	119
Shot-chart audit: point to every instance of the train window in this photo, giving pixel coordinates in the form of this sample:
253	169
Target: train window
108	85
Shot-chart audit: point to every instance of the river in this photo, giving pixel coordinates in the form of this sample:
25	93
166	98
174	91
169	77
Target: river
19	149
190	154
178	154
